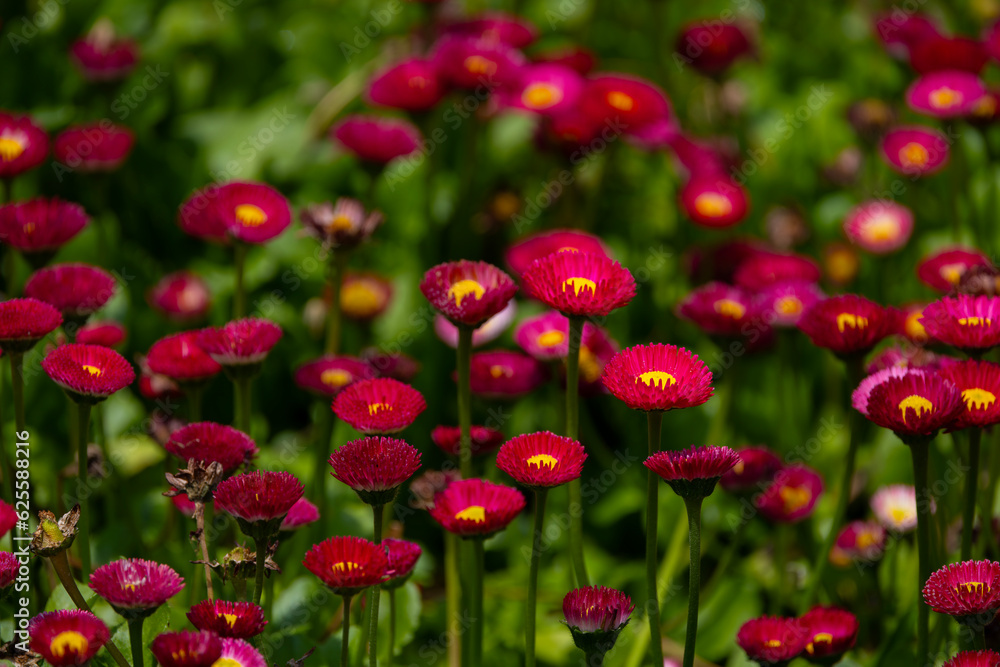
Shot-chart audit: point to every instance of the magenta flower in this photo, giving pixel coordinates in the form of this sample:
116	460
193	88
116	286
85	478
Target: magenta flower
375	467
411	85
244	342
135	587
945	93
375	139
467	292
915	150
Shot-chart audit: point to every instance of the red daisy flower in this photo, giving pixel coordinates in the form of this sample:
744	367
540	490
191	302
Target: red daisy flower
523	253
901	31
757	467
375	467
792	494
96	147
486	332
915	405
914	150
102	55
240	620
65	638
375	139
763	269
402	557
484	440
946	93
397	366
181	296
496	27
135	587
39	227
471	63
240	653
861	395
964	589
467	292
597	609
328	376
541	460
181	358
302	513
23	145
105	334
943	270
970	323
347	565
714	200
846	324
411	85
974	659
364	296
711	48
772	640
831	632
476	508
858	541
259	500
935	52
658	377
879	227
24	322
244	342
700	159
343	224
633	101
719	309
546	336
783	304
379	406
77	290
246	211
209	442
8	518
979	383
895	506
504	374
694	472
187	649
9	567
88	373
547	89
580	284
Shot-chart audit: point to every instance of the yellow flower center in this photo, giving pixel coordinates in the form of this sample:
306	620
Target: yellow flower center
865	540
498	371
475	513
881	228
945	98
901	515
250	215
28	228
230	619
93	370
358	299
621	101
788	305
334	377
914	155
713	205
975	321
918	404
952	272
656	379
590	365
68	642
568	248
551	338
541	96
973	587
341	223
978	399
845	320
730	308
914	328
543	460
480	66
463	288
10	149
417	82
375	408
345	567
773	643
819	638
579	284
226	662
795	498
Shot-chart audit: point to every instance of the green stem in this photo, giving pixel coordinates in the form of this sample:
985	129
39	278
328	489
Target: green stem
258	586
135	638
694	580
60	563
971	492
83	437
239	293
541	495
476	605
241	405
594	659
464	362
572	431
334	317
392	624
17	386
654	421
920	452
199	518
452	591
195	393
376	593
324	431
345	654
